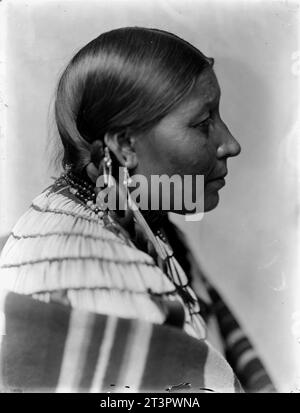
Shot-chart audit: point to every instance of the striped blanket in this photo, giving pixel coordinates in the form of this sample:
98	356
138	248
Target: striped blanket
54	348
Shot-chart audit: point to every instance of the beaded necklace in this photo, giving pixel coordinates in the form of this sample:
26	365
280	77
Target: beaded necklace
83	190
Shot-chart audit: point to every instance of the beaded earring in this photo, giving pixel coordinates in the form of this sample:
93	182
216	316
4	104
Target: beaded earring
107	168
127	179
109	183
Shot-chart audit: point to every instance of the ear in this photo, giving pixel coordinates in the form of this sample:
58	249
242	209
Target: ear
122	146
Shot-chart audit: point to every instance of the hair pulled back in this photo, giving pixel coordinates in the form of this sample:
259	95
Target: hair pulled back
124	80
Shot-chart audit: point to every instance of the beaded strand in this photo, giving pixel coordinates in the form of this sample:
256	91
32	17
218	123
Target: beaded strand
83	191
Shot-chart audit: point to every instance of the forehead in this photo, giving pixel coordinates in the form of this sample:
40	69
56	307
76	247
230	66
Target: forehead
206	87
204	93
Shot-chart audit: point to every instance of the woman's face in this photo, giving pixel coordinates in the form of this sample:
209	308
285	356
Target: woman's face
190	140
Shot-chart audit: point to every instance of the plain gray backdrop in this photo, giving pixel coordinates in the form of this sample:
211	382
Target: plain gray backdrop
248	245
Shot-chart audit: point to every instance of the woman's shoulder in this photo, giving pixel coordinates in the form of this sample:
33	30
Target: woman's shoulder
56	216
60	243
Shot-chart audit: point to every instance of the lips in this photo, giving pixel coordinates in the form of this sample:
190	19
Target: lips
216	178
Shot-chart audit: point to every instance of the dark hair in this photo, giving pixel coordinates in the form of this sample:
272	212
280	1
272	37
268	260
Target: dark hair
125	79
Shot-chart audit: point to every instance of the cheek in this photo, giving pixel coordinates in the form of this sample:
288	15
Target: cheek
176	151
195	153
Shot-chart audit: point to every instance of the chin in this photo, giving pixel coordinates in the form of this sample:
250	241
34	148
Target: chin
211	201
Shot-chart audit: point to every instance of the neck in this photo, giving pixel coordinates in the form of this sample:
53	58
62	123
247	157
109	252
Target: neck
155	219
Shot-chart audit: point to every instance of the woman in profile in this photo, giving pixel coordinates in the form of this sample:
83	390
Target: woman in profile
101	299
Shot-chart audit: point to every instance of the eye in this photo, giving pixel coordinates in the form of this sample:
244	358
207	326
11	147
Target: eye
203	125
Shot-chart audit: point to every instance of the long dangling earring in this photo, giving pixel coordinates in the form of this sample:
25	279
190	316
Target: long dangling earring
107	168
127	179
139	217
107	179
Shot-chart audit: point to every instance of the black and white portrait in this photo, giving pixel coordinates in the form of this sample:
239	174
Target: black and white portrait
149	196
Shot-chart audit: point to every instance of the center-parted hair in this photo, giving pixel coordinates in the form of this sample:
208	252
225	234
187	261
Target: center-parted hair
124	80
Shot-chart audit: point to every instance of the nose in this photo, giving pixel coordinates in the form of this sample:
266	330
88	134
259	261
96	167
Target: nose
228	145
